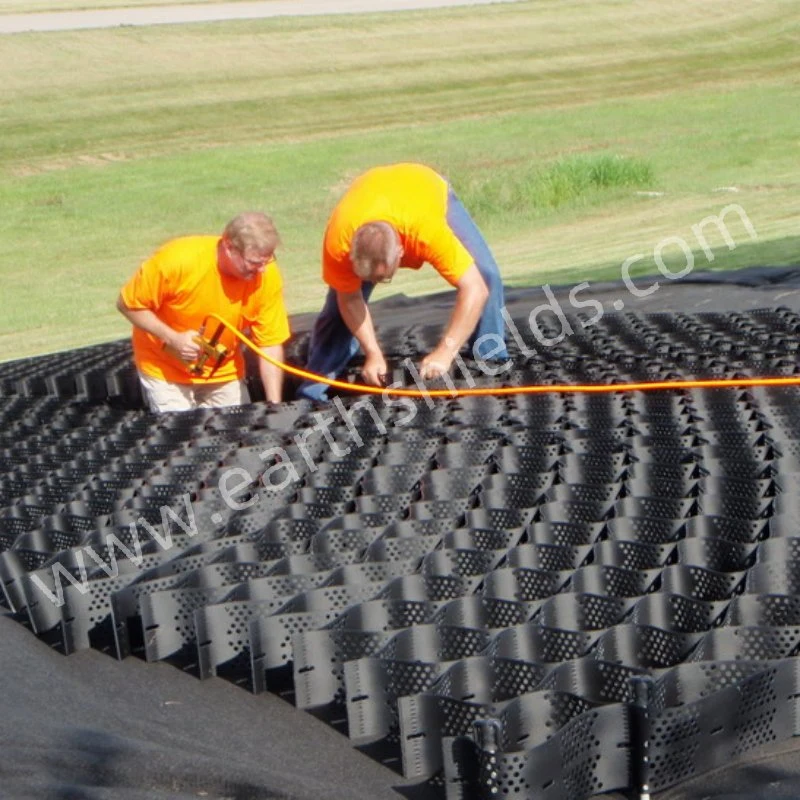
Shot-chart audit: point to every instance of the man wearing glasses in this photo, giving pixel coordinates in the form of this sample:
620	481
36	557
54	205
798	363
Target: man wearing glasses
170	296
402	215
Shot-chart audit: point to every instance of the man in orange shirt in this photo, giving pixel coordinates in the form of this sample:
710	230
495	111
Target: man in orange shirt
168	299
402	215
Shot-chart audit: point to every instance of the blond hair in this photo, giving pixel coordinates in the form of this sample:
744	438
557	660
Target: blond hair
252	232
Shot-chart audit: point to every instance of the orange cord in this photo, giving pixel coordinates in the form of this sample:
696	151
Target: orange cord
498	391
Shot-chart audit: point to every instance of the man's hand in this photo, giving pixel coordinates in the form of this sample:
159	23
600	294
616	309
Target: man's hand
374	370
184	345
435	364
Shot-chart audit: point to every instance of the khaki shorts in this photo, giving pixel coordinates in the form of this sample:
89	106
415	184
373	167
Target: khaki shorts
163	396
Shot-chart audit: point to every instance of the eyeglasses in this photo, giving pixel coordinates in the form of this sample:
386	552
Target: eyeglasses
257	263
252	263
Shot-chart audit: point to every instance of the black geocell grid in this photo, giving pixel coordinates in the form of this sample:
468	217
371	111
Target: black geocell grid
529	596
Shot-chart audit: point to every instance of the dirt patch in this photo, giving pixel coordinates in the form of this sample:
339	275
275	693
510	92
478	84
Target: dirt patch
98	160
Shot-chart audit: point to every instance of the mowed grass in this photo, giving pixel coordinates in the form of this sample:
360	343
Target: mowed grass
578	133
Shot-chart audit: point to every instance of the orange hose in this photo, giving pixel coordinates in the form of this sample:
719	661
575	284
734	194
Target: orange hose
498	391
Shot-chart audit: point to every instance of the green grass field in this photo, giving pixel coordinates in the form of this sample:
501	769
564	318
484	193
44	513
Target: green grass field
579	133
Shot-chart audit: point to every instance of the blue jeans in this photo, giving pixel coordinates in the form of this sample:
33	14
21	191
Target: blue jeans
332	345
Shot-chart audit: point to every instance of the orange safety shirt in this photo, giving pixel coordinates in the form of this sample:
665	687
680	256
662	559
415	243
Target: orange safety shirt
412	198
181	283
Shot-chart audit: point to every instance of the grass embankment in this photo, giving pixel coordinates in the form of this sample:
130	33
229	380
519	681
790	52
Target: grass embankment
579	134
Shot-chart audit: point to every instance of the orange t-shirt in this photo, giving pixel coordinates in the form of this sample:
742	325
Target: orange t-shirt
181	283
412	198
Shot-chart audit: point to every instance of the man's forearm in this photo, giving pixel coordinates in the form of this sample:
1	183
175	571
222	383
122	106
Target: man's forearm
271	375
356	316
470	302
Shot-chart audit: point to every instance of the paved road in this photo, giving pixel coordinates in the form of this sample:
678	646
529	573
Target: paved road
76	20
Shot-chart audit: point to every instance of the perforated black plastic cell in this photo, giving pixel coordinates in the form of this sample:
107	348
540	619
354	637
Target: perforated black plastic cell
611	581
373	686
700	583
567	765
534	642
482	538
523	584
645	646
582	611
764	610
734	530
426	719
710	731
748	642
677	612
565	533
632	555
480	613
549	556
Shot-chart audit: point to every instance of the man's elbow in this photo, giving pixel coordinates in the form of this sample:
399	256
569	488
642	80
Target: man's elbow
478	291
473	287
274	351
348	299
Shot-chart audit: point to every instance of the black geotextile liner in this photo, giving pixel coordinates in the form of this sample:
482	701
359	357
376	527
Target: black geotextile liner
548	596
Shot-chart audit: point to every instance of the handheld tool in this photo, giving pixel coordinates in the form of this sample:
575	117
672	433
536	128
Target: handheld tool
210	350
